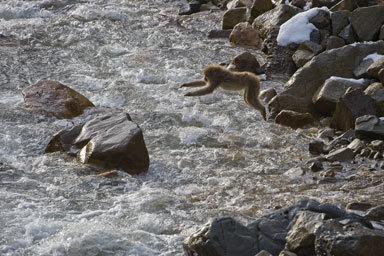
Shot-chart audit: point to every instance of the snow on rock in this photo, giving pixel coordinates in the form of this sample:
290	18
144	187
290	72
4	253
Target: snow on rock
336	78
298	28
374	57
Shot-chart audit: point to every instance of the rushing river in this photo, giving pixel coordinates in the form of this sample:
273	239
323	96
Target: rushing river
210	156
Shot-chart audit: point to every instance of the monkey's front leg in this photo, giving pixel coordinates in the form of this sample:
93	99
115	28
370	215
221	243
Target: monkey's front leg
197	83
204	91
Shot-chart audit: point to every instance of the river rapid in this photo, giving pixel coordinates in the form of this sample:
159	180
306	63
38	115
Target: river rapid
210	156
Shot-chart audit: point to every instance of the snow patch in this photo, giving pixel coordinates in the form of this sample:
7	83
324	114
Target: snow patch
336	78
374	57
298	28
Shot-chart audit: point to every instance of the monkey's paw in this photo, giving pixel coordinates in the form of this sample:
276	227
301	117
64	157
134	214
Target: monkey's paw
188	94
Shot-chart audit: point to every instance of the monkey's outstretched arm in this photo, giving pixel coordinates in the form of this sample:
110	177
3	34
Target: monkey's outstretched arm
197	83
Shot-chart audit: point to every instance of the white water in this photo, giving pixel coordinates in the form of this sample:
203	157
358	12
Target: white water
210	156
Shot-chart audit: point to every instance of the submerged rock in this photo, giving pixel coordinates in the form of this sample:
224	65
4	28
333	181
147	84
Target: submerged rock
54	98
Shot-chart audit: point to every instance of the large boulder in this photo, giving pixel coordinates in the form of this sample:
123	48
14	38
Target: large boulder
367	21
259	7
245	62
243	34
339	20
234	16
369	127
107	142
351	106
293	119
376	92
56	99
327	96
374	68
301	87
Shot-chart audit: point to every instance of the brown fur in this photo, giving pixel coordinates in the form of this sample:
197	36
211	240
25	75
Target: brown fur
217	76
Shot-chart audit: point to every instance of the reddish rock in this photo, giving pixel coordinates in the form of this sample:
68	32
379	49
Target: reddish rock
54	98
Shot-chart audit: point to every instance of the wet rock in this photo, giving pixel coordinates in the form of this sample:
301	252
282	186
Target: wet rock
301	236
299	90
349	5
219	33
56	99
316	166
348	34
63	141
243	34
306	51
367	21
267	95
342	154
293	119
376	92
334	42
356	145
369	127
375	213
239	3
287	253
321	20
193	7
316	147
358	206
327	3
259	7
374	68
353	105
294	173
245	62
339	20
326	98
335	238
234	16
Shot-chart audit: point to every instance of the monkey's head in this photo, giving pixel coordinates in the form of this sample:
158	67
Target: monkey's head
212	71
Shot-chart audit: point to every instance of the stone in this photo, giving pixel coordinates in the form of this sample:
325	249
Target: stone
316	166
374	68
334	238
351	106
342	154
348	5
376	92
245	62
321	20
356	145
243	34
326	98
219	33
301	236
358	206
299	3
301	87
263	253
367	21
193	7
234	16
381	75
369	127
293	119
381	35
63	141
361	70
316	147
334	42
270	20
260	6
267	95
375	213
377	145
112	142
306	51
339	20
315	36
348	34
327	3
55	99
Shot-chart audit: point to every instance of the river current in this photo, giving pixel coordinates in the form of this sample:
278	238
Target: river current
210	156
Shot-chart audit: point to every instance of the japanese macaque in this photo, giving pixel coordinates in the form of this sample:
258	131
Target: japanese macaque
217	76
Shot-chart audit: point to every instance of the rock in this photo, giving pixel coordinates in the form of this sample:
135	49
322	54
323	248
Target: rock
293	119
63	141
356	145
351	106
381	35
267	95
361	70
349	5
301	87
321	20
299	3
271	20
316	166
326	133
367	21
287	253
339	20
348	34
243	34
369	127
334	42
224	236
327	3
193	7
245	62
301	236
234	16
377	145
259	7
335	238
374	68
295	172
56	99
358	206
376	92
306	51
333	89
381	75
263	253
316	147
219	33
375	213
342	154
239	3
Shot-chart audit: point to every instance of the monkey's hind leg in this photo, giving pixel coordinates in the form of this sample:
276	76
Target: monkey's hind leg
197	83
251	97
